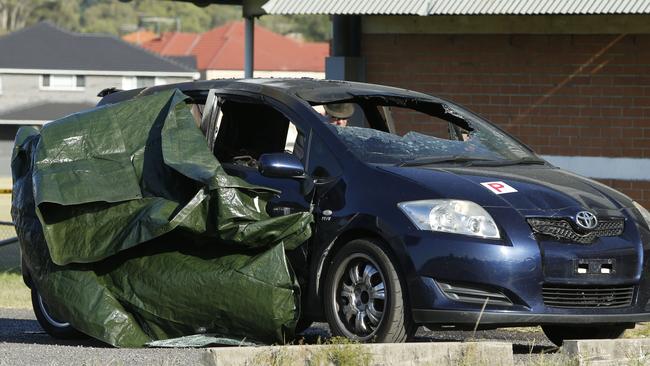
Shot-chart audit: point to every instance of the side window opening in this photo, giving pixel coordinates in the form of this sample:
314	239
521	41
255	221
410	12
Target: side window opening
356	115
197	113
406	119
248	130
290	141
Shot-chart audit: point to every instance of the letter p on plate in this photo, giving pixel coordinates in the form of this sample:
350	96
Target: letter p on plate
498	187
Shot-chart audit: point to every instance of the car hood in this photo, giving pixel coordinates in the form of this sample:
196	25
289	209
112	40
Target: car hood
538	187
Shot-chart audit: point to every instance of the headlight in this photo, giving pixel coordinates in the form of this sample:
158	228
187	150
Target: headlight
644	213
451	216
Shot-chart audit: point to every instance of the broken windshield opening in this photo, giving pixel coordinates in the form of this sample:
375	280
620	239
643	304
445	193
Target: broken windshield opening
412	132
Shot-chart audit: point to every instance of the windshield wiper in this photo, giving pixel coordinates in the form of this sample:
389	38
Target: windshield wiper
425	160
521	161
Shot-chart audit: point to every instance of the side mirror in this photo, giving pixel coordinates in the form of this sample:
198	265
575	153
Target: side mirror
280	165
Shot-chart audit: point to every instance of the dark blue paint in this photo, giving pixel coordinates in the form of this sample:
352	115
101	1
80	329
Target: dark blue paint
281	165
364	199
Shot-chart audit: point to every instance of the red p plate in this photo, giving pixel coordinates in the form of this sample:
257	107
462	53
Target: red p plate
498	187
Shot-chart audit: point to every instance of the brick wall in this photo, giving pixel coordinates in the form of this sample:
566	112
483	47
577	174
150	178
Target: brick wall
572	95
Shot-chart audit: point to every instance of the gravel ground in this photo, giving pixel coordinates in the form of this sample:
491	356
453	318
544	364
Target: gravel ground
22	342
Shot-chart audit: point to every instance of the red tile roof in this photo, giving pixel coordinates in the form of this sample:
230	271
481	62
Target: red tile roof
222	48
140	36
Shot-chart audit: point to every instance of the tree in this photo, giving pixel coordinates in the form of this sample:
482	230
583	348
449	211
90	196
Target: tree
117	17
14	14
312	27
108	17
191	17
64	13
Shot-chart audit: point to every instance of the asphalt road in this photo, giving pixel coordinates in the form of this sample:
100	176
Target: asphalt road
22	342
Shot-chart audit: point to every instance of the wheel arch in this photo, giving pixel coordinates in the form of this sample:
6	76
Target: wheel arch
359	229
330	252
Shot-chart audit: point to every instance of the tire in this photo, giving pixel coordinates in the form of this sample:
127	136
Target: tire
303	324
51	325
557	333
359	307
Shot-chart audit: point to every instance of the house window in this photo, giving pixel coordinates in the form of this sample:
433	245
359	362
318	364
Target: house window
63	82
133	82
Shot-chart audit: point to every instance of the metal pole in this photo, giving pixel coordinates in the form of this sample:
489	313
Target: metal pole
248	46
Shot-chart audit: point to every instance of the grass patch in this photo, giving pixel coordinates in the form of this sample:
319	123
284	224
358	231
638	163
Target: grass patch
641	330
341	351
276	357
13	292
337	351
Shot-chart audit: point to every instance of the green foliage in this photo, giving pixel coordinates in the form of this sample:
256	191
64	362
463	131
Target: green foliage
64	13
312	27
277	356
117	17
341	351
108	17
641	330
14	14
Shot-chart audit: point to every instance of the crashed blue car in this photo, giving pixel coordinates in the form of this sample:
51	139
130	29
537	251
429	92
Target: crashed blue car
425	213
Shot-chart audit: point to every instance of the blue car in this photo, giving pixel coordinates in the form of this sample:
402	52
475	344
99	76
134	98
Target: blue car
425	213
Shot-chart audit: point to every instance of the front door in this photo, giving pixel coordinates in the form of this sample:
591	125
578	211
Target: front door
242	130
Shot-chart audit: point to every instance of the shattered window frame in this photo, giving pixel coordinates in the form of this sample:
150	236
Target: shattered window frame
228	96
486	139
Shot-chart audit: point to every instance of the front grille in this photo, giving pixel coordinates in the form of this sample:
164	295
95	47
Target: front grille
562	229
587	297
473	294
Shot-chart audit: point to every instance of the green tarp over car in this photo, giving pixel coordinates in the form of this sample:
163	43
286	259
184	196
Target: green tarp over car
132	231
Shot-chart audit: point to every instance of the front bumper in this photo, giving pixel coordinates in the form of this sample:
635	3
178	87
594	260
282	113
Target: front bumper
521	269
493	319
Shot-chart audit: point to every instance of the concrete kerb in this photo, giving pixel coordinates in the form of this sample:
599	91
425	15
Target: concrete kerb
597	352
442	353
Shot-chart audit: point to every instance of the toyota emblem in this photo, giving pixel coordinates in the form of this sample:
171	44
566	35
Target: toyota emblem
586	220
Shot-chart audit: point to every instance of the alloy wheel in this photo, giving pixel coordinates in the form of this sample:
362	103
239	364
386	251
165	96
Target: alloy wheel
48	317
360	297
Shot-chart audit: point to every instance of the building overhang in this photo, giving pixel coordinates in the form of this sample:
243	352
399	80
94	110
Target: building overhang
506	24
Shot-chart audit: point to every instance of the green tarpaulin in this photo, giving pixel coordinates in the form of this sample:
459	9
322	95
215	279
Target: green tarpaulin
133	232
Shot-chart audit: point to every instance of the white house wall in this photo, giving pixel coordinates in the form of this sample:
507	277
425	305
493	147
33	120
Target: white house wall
19	90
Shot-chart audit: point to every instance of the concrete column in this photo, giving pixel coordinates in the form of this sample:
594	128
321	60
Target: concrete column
346	62
249	46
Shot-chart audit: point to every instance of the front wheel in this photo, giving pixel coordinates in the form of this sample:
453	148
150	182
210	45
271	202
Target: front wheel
558	333
363	296
51	325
